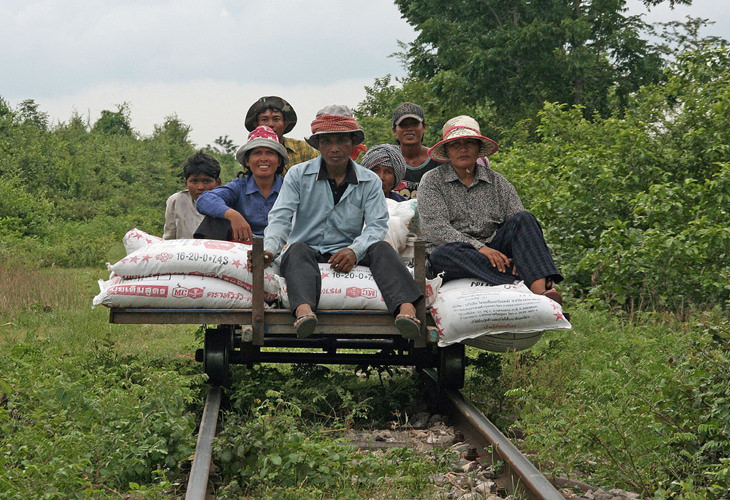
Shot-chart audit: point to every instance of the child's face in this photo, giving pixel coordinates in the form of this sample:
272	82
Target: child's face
197	184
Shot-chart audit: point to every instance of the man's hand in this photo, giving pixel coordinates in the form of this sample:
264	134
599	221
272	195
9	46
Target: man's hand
240	228
496	258
343	261
268	259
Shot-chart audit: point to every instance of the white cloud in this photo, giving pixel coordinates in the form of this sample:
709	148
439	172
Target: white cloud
208	60
714	10
211	108
57	47
204	60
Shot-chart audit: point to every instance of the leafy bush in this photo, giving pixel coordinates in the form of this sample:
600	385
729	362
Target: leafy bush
23	215
71	191
635	207
278	441
89	422
646	411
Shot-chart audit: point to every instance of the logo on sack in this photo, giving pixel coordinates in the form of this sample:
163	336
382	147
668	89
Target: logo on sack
367	293
138	290
181	292
218	245
164	257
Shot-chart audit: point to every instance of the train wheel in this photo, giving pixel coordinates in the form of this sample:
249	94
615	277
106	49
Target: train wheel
451	366
218	345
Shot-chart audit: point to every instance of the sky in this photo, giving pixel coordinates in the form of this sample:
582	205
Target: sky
207	61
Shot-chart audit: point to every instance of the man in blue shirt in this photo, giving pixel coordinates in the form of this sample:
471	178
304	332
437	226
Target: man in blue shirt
330	209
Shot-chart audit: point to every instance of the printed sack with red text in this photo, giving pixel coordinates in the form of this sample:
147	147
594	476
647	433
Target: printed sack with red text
214	258
172	292
354	290
496	318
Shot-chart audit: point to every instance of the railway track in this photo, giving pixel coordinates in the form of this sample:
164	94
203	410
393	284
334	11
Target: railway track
520	478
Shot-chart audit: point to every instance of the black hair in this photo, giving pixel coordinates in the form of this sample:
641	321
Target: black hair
201	163
268	106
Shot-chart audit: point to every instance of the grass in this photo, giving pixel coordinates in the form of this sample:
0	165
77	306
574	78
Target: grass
93	410
89	409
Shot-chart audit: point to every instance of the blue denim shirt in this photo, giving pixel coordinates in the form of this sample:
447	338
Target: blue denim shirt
243	195
305	211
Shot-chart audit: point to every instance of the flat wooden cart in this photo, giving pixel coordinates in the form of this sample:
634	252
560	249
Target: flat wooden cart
261	335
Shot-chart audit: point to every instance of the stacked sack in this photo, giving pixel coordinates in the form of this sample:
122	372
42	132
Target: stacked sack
353	290
185	273
496	318
400	225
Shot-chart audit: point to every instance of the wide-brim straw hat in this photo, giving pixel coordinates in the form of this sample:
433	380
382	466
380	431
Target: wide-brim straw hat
335	119
271	101
262	137
462	127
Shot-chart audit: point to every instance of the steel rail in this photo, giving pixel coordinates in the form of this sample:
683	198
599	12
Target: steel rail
531	479
198	480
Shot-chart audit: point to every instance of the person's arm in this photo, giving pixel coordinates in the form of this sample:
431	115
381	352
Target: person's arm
240	228
282	213
433	214
376	221
510	199
221	203
170	231
216	201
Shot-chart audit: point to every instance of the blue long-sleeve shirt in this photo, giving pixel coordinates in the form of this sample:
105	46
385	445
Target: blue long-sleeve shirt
305	211
243	195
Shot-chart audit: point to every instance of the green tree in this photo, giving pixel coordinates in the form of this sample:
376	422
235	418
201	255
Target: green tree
224	145
635	206
114	122
513	56
28	113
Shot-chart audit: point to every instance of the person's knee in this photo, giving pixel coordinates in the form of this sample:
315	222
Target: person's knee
446	252
298	249
523	216
299	246
296	252
380	248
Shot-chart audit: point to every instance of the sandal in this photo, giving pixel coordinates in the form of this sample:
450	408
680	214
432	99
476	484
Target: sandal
408	326
305	325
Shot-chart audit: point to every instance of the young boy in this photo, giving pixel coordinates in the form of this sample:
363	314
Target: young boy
202	173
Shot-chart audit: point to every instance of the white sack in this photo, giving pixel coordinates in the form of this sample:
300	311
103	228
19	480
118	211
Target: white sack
354	290
172	292
219	259
136	239
499	318
399	223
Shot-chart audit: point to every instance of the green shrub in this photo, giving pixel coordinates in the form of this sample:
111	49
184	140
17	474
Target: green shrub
646	411
634	207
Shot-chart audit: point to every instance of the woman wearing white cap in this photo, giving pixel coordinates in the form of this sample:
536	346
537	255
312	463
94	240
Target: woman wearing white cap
475	219
247	200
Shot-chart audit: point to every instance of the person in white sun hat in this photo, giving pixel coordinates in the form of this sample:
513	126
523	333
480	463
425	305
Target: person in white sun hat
475	221
246	200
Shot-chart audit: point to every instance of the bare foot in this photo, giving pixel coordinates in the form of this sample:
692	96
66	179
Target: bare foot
303	310
407	309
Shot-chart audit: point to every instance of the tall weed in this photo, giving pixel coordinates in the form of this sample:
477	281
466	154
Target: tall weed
640	406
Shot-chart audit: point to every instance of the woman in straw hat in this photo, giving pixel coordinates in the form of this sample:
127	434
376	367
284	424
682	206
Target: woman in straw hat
475	219
247	200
